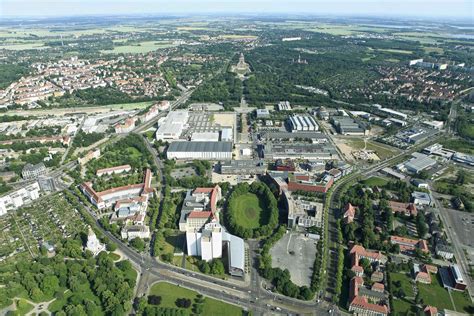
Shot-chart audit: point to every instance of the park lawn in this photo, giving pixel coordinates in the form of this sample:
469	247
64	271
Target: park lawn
248	211
402	307
170	293
405	283
215	307
23	307
462	301
84	292
375	181
435	294
114	256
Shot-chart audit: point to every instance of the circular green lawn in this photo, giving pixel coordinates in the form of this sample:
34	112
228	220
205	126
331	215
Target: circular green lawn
247	209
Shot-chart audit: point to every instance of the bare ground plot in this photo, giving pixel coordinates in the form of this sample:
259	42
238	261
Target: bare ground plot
353	147
295	253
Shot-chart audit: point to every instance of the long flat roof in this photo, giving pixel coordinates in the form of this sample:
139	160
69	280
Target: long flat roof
236	250
185	146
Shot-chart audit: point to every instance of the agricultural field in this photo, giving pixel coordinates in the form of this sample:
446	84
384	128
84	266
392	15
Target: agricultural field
170	293
23	46
140	48
49	219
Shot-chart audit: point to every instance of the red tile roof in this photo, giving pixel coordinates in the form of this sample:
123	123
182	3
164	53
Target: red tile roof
200	214
430	310
406	208
379	287
410	244
116	168
363	303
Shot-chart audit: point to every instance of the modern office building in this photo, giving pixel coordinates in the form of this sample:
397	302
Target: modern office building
200	150
19	198
302	213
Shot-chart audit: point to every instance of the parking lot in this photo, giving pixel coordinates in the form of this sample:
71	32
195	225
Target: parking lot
183	172
463	226
296	253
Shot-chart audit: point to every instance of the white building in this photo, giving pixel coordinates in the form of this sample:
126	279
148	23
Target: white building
172	126
303	123
205	137
227	135
421	198
135	231
284	106
19	198
434	124
93	244
209	242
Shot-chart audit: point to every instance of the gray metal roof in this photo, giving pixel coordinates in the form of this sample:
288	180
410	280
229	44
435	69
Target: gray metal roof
236	250
200	146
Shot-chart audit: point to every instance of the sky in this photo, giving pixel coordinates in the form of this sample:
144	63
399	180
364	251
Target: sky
383	8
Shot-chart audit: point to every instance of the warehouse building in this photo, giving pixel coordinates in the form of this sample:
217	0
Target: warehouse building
243	167
348	126
302	123
205	137
418	163
315	137
172	126
284	106
200	150
463	158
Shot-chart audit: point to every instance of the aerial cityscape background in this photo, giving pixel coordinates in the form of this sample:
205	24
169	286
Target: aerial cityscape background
236	157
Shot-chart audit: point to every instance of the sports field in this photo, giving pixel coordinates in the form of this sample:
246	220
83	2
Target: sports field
248	211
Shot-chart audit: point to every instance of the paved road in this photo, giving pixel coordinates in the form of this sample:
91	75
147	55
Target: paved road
453	238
